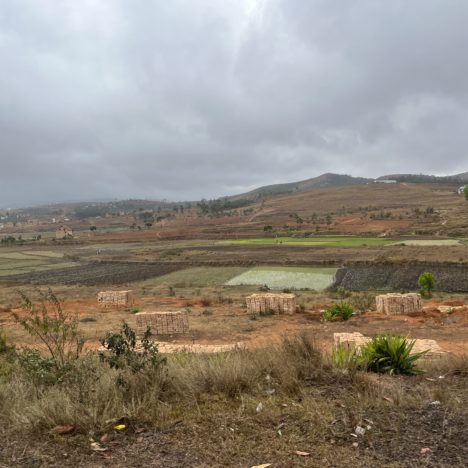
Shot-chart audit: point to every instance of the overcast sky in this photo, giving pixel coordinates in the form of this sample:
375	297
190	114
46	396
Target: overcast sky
184	99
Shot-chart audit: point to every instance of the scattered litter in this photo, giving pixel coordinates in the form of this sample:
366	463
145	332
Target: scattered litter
259	407
353	435
265	465
302	454
425	450
388	399
120	427
97	447
355	445
104	438
279	432
63	430
360	431
435	403
270	392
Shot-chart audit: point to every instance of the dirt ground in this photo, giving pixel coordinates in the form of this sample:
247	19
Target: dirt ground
218	317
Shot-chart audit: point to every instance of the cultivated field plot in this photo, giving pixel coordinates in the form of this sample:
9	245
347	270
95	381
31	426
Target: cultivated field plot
99	273
196	277
316	241
316	279
16	262
429	242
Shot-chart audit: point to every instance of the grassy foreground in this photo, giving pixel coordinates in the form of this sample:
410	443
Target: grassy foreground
285	405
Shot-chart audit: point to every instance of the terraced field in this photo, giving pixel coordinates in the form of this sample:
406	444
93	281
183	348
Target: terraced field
284	277
96	273
14	262
318	241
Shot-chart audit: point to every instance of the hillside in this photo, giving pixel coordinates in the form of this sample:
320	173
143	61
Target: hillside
322	181
431	179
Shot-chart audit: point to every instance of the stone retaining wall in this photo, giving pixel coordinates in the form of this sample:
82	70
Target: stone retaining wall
401	277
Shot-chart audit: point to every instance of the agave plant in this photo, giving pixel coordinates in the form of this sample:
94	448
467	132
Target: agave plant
339	310
390	354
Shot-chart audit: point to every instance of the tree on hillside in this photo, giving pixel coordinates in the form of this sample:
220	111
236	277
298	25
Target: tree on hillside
465	191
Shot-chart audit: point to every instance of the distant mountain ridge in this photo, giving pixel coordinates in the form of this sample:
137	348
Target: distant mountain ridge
341	180
424	178
323	181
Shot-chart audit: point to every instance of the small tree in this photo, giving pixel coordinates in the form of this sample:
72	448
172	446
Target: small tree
465	191
54	327
426	282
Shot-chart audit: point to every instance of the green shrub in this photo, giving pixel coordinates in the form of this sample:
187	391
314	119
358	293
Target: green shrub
134	310
123	353
55	328
390	354
345	357
426	282
341	310
301	308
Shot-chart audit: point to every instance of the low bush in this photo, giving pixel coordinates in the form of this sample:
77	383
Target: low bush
342	293
340	310
205	301
390	354
362	301
122	352
384	354
56	329
426	282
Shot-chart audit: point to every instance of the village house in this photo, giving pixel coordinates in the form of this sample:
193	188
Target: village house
63	232
461	190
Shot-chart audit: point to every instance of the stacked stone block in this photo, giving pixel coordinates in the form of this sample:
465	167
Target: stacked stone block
280	303
162	323
397	304
107	299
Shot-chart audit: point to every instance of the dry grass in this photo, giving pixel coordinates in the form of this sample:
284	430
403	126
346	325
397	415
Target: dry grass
203	410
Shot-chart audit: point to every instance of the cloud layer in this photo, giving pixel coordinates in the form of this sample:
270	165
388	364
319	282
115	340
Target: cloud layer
196	98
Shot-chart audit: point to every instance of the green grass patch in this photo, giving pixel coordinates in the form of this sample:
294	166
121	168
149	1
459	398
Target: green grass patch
197	276
318	241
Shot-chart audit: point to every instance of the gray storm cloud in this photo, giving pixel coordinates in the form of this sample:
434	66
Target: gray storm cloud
195	98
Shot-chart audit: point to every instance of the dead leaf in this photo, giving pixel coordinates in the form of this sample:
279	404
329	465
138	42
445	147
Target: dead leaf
104	438
388	399
63	430
265	465
139	430
302	454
